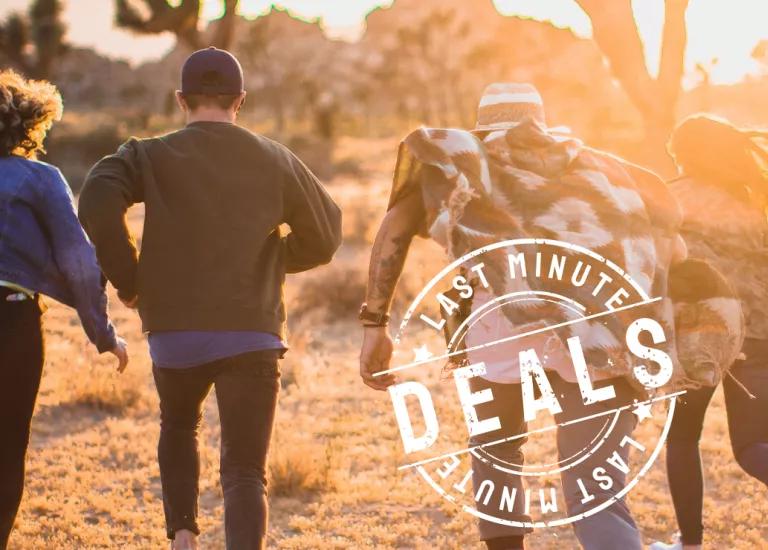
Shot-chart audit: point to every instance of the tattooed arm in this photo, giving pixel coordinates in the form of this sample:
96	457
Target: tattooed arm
390	250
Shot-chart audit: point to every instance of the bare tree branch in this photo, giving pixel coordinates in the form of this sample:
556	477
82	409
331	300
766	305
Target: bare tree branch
226	25
615	31
674	42
182	20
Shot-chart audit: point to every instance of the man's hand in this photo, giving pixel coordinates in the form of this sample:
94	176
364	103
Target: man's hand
132	303
375	356
121	352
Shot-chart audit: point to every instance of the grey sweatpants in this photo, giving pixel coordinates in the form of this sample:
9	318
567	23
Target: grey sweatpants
608	529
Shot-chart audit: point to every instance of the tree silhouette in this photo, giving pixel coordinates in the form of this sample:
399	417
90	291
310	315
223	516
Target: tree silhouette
616	33
181	18
427	67
292	67
32	42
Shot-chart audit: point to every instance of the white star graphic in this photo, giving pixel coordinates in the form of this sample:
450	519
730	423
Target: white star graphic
421	353
642	411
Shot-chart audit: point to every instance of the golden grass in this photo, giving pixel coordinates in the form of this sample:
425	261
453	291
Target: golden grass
300	468
93	481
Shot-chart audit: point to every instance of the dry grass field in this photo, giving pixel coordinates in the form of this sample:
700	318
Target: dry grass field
93	479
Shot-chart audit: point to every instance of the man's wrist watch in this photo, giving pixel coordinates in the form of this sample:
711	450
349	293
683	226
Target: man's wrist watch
371	319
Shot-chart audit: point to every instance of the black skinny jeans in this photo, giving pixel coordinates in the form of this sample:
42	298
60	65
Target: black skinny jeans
21	365
246	391
748	428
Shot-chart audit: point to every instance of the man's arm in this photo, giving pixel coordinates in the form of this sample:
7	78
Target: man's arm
314	219
111	187
390	250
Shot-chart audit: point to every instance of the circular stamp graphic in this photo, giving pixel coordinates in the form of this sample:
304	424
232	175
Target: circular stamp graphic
548	404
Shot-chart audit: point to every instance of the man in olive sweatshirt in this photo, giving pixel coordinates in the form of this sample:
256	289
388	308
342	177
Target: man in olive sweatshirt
208	282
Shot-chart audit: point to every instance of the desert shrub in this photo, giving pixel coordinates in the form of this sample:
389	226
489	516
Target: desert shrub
74	149
316	153
349	166
99	387
107	394
361	222
333	293
298	468
78	377
292	367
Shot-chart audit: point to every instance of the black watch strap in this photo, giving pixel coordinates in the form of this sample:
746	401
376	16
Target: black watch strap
373	319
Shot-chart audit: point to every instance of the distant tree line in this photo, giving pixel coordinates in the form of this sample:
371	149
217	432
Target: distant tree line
425	68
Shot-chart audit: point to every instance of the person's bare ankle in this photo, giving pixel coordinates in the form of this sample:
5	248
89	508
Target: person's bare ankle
184	540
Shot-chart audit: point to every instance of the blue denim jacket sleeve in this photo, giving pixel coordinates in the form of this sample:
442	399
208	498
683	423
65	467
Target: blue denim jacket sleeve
76	259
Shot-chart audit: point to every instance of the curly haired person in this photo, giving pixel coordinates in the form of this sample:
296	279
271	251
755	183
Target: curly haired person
43	251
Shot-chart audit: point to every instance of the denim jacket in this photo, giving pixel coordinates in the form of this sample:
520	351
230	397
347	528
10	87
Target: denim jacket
43	246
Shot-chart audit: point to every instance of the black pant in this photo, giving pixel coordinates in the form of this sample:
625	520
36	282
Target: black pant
246	391
21	365
747	425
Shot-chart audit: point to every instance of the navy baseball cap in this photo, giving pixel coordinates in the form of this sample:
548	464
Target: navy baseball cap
212	72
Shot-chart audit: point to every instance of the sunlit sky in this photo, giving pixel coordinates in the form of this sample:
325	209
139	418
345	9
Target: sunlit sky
718	29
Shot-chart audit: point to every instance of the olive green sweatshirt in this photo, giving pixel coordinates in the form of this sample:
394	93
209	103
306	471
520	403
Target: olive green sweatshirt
212	256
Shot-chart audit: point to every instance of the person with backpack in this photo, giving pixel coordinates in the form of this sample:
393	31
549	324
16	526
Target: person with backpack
723	198
513	177
208	282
